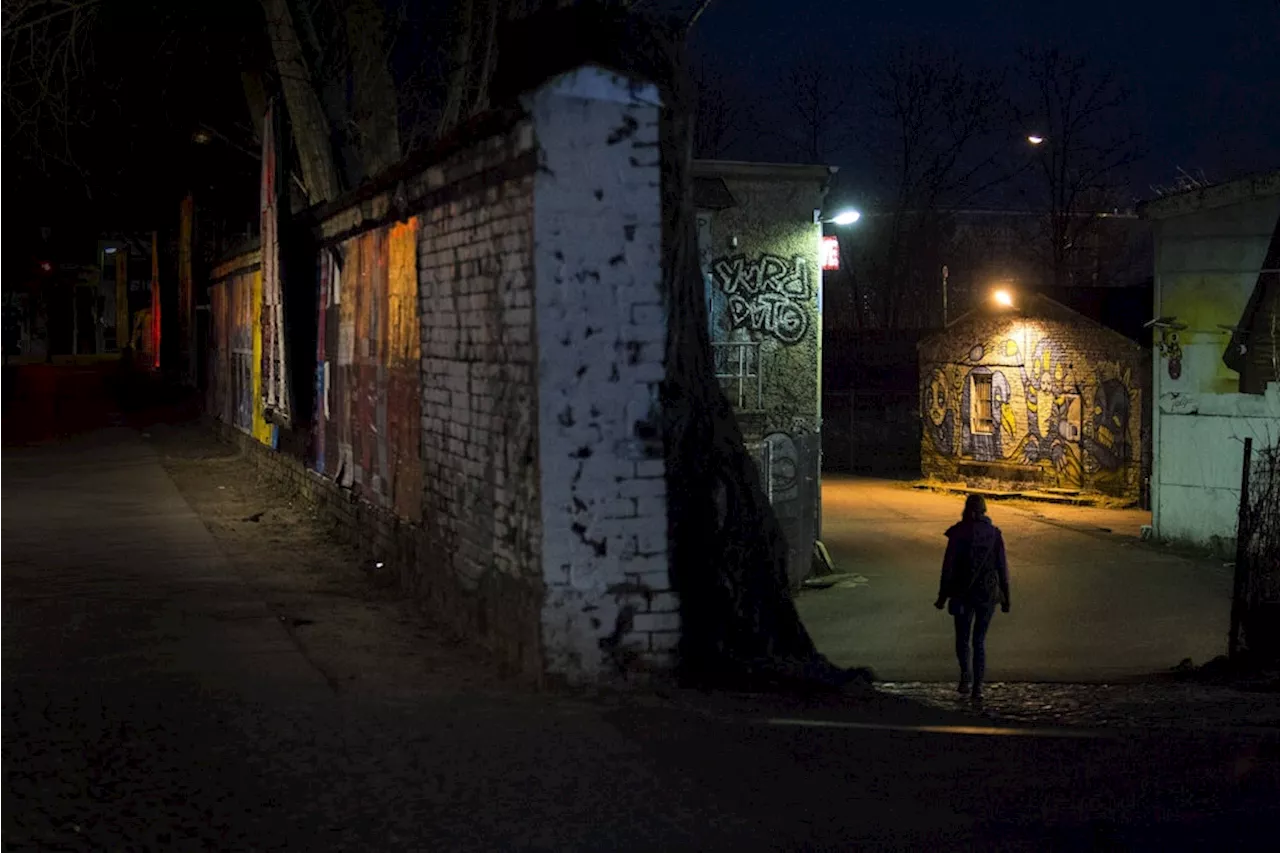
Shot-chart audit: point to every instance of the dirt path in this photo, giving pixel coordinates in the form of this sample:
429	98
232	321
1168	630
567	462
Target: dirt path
350	619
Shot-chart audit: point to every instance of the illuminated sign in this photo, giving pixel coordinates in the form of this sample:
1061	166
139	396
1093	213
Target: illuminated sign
830	253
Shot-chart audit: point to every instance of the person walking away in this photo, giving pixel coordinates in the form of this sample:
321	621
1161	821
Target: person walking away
975	578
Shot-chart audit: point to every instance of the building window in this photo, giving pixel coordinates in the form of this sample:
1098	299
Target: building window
980	404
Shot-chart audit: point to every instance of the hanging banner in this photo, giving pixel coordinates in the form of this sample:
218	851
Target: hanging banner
274	385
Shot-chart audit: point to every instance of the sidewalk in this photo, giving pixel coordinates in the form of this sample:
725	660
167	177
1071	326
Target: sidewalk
195	666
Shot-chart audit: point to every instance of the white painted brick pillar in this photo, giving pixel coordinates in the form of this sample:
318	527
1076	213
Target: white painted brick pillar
601	335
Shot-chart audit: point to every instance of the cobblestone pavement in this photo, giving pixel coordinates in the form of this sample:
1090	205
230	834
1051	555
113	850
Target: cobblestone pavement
180	677
1157	705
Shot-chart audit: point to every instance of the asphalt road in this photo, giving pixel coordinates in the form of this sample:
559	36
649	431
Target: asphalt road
1090	601
154	699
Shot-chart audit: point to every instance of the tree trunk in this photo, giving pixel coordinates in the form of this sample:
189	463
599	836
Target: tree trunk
311	132
460	70
728	551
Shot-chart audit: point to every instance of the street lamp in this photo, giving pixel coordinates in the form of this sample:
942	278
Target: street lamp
1035	139
1003	297
848	216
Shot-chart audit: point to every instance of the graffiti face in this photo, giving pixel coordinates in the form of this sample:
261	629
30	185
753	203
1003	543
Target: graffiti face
1108	441
937	407
936	398
767	295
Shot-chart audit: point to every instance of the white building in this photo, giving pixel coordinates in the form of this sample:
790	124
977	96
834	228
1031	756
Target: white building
1217	295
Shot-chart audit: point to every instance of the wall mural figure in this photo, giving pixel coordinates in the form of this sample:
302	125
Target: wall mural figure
997	444
1106	438
939	416
767	295
1052	437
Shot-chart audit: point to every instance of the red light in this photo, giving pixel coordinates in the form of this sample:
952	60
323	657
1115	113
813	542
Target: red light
830	253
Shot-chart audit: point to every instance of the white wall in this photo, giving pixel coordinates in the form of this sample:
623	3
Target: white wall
601	337
1200	454
1207	263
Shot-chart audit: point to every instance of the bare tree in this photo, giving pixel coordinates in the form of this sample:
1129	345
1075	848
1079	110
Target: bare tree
939	128
815	97
720	117
1086	150
47	49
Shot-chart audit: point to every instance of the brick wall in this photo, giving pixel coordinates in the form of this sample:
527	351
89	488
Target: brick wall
601	340
540	533
1067	403
478	384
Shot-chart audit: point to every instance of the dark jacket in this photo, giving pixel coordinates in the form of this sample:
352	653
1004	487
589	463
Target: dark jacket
974	547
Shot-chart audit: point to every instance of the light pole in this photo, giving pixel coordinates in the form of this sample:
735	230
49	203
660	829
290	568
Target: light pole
945	273
848	216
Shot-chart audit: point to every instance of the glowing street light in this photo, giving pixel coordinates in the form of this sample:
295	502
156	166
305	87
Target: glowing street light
1003	297
846	217
1035	139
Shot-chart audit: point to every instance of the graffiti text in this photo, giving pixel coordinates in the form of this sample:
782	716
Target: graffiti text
767	294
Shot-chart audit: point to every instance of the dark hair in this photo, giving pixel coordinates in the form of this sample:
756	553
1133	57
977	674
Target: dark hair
975	507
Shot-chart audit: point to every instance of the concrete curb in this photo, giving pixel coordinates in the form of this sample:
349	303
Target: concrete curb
997	495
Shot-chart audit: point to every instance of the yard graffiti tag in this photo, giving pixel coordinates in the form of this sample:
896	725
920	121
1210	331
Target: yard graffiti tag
766	294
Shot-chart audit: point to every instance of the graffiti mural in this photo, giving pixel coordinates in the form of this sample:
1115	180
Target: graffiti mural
1032	406
987	445
235	346
1053	413
767	295
781	468
1109	446
367	421
939	418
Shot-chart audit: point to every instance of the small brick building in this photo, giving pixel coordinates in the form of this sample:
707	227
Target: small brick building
1035	396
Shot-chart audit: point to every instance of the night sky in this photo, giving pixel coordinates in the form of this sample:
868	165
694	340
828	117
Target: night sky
1204	77
1205	82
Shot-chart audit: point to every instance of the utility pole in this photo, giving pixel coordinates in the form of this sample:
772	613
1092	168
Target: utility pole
945	272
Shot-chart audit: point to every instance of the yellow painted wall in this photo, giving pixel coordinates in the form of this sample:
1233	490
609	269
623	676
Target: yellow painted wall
261	429
404	337
1205	303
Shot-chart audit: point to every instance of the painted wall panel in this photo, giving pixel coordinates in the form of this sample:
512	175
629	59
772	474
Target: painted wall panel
1033	402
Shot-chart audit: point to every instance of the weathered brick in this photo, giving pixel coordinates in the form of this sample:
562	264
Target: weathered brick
656	622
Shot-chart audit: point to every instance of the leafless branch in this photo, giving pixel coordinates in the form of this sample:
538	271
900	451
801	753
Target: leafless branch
46	53
1082	163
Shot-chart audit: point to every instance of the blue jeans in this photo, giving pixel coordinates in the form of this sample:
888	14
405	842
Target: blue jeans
972	622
